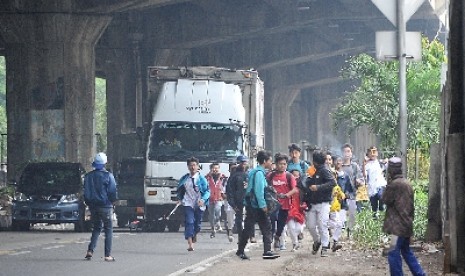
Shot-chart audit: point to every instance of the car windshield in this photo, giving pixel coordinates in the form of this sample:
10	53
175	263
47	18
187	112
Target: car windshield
51	178
210	142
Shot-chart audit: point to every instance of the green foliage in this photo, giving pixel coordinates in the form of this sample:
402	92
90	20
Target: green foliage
368	233
101	114
7	190
374	102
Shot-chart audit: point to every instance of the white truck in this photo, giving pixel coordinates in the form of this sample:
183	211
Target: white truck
213	114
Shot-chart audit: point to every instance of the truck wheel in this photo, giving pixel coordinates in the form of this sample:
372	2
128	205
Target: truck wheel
20	225
173	226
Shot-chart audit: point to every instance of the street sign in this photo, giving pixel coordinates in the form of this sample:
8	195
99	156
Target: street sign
386	45
389	8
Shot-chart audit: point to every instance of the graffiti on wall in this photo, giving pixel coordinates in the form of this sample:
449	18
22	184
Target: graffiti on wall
49	96
47	135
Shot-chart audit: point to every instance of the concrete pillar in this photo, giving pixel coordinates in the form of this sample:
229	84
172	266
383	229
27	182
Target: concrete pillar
50	86
281	119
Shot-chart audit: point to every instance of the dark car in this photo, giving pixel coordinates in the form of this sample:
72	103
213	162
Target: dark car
50	192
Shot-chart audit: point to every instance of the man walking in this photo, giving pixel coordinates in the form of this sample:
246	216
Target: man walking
100	194
285	185
354	173
398	221
321	186
235	191
216	183
256	210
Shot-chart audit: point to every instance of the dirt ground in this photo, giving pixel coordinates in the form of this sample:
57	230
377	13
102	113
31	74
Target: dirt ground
348	262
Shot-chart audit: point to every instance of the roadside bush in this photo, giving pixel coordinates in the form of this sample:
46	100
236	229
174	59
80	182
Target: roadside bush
368	232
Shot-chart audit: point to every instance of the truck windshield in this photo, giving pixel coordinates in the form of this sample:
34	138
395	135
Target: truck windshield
209	142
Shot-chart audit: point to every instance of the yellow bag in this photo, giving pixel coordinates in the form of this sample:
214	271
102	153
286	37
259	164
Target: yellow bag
362	193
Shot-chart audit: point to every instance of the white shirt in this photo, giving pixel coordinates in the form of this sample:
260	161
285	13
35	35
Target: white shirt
375	177
192	195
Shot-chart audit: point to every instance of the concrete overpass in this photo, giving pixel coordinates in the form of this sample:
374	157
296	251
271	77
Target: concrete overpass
55	48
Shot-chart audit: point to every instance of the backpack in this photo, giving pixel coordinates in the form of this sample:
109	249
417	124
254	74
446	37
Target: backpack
271	196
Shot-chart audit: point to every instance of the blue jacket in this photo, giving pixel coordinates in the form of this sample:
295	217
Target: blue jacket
201	183
257	180
100	189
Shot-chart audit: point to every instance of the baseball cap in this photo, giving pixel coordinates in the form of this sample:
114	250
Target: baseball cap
100	159
242	158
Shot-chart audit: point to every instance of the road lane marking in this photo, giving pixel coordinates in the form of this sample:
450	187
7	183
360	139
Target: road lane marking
20	253
53	247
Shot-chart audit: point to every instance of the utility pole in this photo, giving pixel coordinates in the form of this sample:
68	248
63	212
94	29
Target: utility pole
401	32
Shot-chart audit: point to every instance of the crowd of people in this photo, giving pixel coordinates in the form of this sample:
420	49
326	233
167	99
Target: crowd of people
323	197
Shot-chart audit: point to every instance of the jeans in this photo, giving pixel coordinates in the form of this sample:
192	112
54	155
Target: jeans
376	202
252	216
192	221
401	246
99	216
214	213
281	222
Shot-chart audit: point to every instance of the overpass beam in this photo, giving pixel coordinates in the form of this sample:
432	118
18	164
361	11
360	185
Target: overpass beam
50	86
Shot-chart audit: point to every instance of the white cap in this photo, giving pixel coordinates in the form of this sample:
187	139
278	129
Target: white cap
100	159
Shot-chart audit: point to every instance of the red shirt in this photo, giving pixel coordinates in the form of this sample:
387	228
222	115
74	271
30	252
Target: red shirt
281	186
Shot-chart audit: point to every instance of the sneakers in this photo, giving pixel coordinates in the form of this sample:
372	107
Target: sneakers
315	247
270	255
324	251
277	244
336	246
230	238
300	236
282	247
212	235
295	247
242	255
253	240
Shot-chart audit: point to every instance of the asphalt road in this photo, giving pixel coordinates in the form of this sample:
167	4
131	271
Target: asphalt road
61	252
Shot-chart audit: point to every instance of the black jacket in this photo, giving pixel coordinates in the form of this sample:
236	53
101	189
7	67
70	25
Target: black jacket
325	182
235	190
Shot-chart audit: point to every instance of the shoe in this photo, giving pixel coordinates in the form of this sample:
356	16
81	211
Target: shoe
315	247
212	235
294	247
277	244
253	240
300	236
230	238
190	249
88	255
109	259
242	255
336	246
324	251
282	247
270	255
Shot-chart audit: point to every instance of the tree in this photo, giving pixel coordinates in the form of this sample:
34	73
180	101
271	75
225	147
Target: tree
374	100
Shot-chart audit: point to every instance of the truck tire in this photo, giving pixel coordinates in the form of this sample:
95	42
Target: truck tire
20	225
173	225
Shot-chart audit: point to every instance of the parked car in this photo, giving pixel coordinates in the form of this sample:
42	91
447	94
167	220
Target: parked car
50	192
